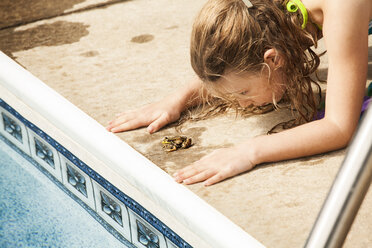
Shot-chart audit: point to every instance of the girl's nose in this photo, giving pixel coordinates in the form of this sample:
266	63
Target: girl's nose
244	103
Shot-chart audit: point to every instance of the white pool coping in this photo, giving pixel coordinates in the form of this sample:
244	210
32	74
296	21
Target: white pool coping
190	210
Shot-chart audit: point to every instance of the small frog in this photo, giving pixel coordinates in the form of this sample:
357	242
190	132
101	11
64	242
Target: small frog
171	144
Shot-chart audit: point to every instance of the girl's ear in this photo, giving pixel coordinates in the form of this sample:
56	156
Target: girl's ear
273	58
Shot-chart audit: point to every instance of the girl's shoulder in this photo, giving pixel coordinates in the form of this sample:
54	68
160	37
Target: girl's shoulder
319	8
346	6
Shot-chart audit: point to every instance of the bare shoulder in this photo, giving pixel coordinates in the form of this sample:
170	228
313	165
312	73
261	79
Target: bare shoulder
346	8
346	19
335	10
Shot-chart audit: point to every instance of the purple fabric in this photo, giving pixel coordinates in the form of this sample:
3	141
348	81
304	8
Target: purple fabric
319	115
367	99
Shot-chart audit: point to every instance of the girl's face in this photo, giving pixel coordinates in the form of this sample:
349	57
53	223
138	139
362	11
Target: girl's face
252	89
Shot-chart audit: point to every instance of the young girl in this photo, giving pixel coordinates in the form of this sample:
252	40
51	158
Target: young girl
257	52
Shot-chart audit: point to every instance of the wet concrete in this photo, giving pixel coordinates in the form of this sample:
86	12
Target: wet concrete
20	12
54	34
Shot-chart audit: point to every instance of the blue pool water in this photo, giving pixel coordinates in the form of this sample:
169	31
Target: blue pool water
35	212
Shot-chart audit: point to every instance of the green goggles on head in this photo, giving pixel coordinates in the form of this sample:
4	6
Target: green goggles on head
292	6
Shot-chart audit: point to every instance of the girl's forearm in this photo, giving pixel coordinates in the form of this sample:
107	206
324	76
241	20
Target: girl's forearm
305	140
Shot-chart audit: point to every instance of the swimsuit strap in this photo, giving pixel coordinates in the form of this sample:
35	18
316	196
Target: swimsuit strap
294	5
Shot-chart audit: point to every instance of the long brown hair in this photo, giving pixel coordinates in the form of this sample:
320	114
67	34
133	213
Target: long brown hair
226	34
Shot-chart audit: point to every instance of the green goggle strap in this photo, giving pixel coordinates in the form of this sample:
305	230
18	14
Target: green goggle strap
294	5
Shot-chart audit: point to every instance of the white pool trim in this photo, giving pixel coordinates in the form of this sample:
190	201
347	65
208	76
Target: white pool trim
206	223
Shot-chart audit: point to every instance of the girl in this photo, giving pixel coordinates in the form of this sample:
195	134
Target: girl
257	52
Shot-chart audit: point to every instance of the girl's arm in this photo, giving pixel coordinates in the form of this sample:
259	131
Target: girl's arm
345	30
158	114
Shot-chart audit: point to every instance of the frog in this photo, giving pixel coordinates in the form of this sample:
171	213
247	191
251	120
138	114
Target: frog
174	143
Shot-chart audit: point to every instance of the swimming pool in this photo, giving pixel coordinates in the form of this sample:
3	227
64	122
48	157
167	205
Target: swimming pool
37	211
140	202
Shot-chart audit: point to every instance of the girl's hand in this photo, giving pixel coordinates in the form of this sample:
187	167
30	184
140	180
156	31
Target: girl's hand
217	166
154	115
157	115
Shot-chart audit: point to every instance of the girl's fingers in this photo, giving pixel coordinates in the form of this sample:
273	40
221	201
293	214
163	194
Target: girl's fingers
112	122
199	177
129	125
187	172
122	120
158	123
214	179
119	120
133	120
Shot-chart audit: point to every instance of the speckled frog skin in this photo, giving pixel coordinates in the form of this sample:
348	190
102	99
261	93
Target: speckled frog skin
171	144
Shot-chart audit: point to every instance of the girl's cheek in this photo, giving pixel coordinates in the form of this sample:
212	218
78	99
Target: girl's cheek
279	96
244	103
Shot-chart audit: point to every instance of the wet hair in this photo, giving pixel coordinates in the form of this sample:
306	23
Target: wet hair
228	35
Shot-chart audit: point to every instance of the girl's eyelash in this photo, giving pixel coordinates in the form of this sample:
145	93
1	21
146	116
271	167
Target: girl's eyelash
244	92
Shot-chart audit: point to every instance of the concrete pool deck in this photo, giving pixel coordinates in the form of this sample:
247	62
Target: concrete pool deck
86	53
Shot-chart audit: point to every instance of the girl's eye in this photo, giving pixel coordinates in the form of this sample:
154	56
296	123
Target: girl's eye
244	93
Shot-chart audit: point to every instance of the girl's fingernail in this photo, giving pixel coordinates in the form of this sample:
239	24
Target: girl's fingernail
150	129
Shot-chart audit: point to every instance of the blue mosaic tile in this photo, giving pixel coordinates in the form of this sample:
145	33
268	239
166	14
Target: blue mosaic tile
111	208
146	237
77	180
11	127
129	202
43	152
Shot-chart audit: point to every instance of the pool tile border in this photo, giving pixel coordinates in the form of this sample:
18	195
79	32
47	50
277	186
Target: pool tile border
88	197
21	143
103	197
136	211
144	235
45	154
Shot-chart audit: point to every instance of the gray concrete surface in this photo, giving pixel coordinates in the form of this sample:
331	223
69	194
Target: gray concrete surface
89	57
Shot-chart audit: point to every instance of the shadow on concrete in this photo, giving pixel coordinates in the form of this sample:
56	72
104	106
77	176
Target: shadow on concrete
53	34
16	12
323	73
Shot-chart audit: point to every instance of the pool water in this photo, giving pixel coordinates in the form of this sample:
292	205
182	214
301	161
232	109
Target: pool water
35	212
